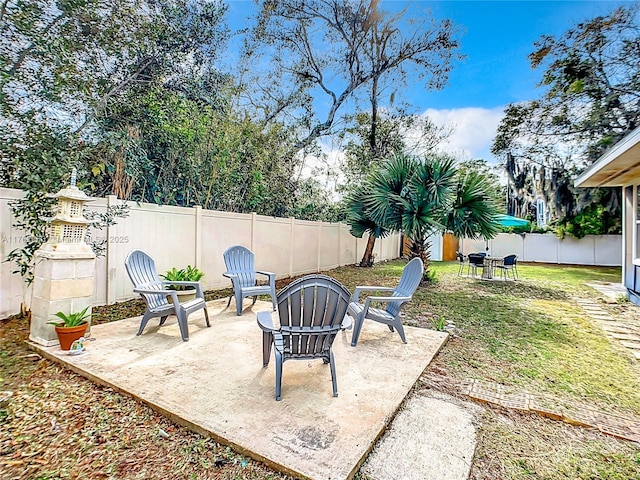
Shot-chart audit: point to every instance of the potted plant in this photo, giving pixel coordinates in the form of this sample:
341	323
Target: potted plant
71	327
181	277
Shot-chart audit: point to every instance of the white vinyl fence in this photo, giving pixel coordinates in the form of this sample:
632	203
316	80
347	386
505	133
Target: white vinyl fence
605	250
179	236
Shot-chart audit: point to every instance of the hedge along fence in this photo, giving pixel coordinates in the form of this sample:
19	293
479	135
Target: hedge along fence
181	236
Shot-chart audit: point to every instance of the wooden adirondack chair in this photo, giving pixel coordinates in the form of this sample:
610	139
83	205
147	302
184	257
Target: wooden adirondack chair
144	276
390	316
241	271
311	311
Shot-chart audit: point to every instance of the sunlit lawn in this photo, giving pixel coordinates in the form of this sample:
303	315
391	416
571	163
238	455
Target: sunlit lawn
529	334
532	336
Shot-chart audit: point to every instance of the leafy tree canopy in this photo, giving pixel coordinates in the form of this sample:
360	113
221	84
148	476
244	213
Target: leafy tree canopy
325	54
591	84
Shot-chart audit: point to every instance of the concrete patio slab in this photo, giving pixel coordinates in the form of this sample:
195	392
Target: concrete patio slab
215	384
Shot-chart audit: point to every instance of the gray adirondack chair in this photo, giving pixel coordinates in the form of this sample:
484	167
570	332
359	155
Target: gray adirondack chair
144	276
409	281
311	312
241	271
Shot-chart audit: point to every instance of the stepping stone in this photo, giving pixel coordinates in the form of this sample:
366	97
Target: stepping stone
611	329
431	438
631	345
626	336
614	325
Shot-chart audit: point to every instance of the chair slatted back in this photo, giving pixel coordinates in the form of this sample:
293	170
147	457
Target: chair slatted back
509	260
476	259
142	272
409	281
239	261
311	311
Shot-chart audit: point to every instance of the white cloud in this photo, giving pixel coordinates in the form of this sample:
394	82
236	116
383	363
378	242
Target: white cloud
474	130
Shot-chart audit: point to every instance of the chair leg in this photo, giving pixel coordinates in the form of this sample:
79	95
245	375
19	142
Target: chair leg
239	305
332	365
278	357
182	323
398	324
206	316
273	296
267	341
356	330
255	298
229	302
163	319
145	319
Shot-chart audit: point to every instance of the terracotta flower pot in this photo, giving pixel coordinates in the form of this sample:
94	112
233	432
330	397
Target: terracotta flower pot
68	335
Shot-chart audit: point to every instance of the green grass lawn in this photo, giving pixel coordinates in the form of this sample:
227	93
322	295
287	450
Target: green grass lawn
533	336
529	334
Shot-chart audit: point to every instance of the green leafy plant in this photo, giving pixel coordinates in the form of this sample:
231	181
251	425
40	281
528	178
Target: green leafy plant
439	323
189	274
622	298
429	276
71	320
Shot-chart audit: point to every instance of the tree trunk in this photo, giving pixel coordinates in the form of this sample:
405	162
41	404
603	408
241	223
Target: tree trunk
422	249
367	258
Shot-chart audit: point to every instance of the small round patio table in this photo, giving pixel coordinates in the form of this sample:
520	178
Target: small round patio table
490	265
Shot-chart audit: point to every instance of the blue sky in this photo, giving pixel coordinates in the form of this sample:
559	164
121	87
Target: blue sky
496	38
499	36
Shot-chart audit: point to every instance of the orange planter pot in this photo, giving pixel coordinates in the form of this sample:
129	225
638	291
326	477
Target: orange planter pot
68	335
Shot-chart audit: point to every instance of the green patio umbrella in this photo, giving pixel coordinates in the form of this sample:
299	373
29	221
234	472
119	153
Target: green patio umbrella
510	221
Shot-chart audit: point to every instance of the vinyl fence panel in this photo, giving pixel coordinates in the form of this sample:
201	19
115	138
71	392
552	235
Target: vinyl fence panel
179	236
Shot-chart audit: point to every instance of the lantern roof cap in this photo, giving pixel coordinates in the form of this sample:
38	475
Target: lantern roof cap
72	193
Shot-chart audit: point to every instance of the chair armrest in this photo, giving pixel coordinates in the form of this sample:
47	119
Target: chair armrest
196	285
265	322
271	275
389	299
235	280
382	299
363	288
152	291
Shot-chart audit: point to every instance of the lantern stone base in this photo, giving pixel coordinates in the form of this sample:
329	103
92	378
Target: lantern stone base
63	282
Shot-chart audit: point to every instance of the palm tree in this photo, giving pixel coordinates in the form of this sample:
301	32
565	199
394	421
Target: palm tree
360	223
421	196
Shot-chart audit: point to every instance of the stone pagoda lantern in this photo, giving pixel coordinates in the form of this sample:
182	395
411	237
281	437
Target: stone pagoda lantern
68	226
64	273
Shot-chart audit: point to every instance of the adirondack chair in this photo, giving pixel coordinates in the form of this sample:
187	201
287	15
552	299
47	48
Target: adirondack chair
144	276
242	273
390	316
311	312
